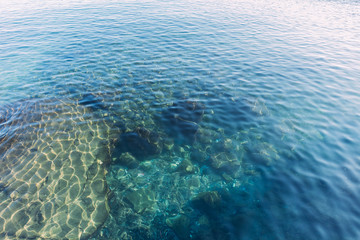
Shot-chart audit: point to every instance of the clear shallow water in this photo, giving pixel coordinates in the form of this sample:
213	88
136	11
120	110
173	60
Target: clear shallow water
276	85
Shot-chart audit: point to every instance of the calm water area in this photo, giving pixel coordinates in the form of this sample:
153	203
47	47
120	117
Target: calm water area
161	119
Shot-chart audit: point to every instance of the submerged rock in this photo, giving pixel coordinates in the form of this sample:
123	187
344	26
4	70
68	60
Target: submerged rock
263	153
52	172
186	167
140	143
225	161
141	199
182	118
214	149
205	136
197	155
168	144
127	160
180	224
207	201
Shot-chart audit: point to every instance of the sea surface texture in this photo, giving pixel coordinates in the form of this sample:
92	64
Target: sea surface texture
160	119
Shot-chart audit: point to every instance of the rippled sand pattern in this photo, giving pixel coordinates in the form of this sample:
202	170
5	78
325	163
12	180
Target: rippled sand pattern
52	171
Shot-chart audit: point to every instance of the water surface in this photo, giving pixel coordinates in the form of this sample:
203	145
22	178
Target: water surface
221	119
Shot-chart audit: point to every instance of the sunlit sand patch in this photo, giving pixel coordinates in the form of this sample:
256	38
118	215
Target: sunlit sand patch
52	174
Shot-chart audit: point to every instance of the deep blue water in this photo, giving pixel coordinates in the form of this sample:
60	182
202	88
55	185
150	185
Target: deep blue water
277	84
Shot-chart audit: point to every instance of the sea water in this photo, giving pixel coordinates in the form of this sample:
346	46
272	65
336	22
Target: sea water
228	119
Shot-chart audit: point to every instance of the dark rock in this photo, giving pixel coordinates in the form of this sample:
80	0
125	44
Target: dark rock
172	209
168	144
207	201
160	229
180	224
128	160
141	143
182	118
204	220
198	156
186	167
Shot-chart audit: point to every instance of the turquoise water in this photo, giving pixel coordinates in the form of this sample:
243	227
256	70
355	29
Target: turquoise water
250	110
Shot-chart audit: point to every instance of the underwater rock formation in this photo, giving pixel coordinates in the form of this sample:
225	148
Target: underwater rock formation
182	118
197	155
214	149
263	153
140	199
186	167
52	174
140	143
207	201
127	160
180	224
224	161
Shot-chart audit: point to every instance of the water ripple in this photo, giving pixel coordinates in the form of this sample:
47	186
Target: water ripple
279	81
